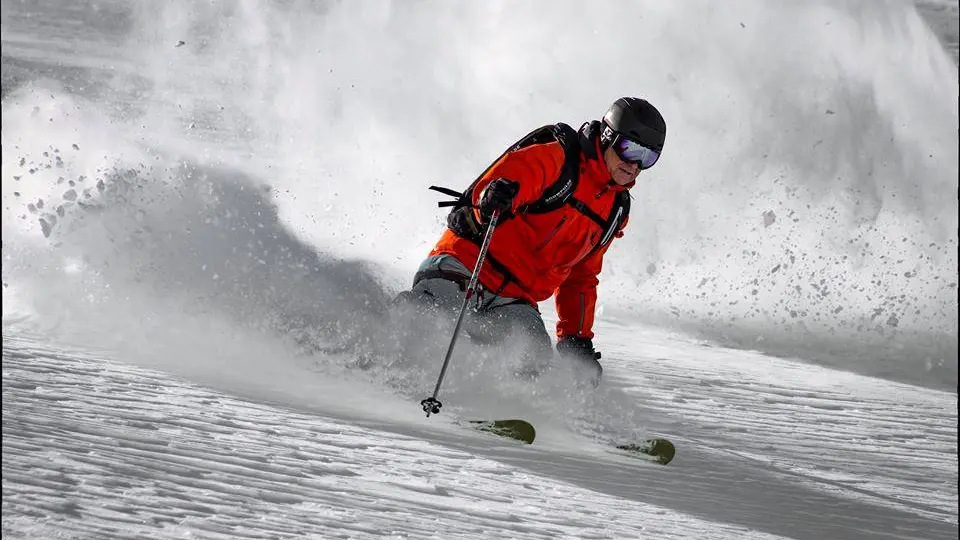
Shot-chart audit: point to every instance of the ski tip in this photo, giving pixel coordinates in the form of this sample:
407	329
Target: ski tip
661	451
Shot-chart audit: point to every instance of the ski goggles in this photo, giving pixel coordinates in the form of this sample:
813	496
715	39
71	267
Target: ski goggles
631	151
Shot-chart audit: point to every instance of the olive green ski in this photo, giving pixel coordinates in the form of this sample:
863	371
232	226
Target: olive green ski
520	430
657	450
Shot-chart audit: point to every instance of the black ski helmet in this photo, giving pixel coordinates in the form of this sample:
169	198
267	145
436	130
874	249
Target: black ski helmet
636	119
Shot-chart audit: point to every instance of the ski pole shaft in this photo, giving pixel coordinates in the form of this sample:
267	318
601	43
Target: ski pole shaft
431	404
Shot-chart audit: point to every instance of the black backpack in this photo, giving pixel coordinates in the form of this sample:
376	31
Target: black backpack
554	196
461	219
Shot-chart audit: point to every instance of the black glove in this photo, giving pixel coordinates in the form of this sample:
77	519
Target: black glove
576	346
585	360
498	195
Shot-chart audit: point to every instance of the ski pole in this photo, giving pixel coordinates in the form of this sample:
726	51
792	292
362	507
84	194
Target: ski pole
431	405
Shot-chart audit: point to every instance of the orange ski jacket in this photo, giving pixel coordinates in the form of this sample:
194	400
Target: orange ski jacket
533	256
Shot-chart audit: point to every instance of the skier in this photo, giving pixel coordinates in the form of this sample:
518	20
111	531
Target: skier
563	197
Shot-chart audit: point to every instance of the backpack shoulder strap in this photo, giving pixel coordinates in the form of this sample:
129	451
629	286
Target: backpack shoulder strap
558	193
614	223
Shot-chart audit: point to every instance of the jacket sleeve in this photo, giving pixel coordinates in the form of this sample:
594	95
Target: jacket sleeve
576	297
534	168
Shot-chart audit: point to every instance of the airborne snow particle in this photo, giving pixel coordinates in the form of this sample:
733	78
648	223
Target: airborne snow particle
769	218
47	226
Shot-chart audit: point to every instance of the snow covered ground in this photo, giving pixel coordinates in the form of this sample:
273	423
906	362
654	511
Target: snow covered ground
202	203
94	448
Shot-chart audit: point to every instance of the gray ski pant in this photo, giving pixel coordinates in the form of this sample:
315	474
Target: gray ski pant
489	319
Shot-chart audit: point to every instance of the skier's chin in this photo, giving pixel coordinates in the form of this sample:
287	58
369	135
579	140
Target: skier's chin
623	177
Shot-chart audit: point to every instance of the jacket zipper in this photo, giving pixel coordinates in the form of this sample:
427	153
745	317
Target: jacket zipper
583	312
553	233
